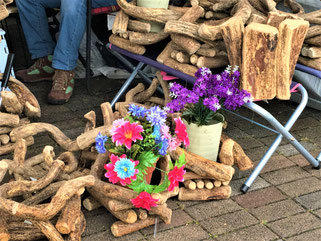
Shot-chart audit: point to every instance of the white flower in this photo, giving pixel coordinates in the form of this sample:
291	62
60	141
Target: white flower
166	109
170	85
205	71
236	68
228	92
247	99
173	95
217	106
218	77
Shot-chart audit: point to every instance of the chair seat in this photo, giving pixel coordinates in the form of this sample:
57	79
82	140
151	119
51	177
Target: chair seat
96	11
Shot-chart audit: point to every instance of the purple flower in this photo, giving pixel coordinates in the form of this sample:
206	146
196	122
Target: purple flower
137	111
156	116
100	143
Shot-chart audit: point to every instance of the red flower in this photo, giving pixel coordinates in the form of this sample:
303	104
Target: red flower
180	131
144	200
127	133
175	176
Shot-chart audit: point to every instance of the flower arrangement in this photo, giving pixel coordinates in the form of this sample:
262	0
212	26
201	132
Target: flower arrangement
136	143
210	92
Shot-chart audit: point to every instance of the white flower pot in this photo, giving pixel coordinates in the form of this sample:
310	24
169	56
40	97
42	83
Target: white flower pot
204	140
155	27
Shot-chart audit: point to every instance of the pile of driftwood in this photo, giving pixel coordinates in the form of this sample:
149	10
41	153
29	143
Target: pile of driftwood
18	106
253	34
44	196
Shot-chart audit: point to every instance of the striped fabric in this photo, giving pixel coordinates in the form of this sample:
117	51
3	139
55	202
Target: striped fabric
102	10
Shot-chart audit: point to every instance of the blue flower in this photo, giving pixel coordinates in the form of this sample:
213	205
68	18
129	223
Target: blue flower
137	111
156	116
163	150
124	168
100	143
157	133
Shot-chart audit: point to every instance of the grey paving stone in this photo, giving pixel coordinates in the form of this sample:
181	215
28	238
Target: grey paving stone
288	150
228	222
259	183
311	132
99	223
277	162
256	154
268	140
305	122
313	235
108	236
295	224
249	142
310	201
259	198
190	232
179	218
276	210
236	133
210	209
260	132
317	212
312	171
253	233
285	175
300	187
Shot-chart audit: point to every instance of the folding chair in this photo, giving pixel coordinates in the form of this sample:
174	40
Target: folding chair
282	131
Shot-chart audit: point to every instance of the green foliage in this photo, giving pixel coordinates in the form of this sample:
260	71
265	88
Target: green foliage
146	159
181	161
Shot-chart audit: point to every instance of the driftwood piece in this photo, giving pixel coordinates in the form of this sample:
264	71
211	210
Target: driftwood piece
138	26
80	226
255	18
205	167
88	155
48	229
208	184
207	51
120	23
212	62
163	212
70	160
223	192
159	15
141	214
107	112
85	140
147	38
146	94
3	169
242	161
9	119
11	146
5	129
91	120
70	213
129	97
295	6
26	235
291	37
11	103
20	152
232	31
191	175
185	68
4	233
166	53
311	52
313	63
4	139
223	5
190	184
193	59
313	31
259	61
182	57
165	195
217	183
119	228
90	203
243	10
199	183
47	211
314	40
165	87
226	152
275	18
126	44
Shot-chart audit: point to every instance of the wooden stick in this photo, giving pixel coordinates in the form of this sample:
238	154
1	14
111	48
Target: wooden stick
11	103
199	184
208	184
223	192
48	229
163	212
212	62
91	121
147	38
314	40
3	169
217	183
185	68
107	111
190	184
9	119
126	44
80	226
226	154
4	233
119	228
166	53
313	31
120	23
193	59
90	203
191	175
138	26
164	86
311	52
141	213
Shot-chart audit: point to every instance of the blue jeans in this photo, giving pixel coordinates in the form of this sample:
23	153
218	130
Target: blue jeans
72	27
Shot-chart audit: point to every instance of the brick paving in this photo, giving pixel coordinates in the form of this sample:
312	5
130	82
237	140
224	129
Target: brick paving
282	204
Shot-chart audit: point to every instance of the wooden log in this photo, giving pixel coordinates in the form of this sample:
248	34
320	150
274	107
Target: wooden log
257	4
243	10
180	27
191	175
165	195
46	211
212	62
311	52
5	129
26	235
223	192
185	68
291	37
88	155
275	18
313	31
9	119
242	161
126	44
120	23
20	152
190	184
85	140
199	183
55	133
223	5
314	40
80	226
70	213
182	57
11	146
11	103
48	155
173	54
48	229
146	94
208	52
138	26
163	212
294	6
147	38
217	183
232	32
91	121
4	233
117	205
30	110
225	183
44	194
255	18
210	32
4	139
226	155
208	184
119	228
313	63
259	61
159	15
90	203
141	214
193	59
129	97
209	14
166	53
204	167
165	88
3	169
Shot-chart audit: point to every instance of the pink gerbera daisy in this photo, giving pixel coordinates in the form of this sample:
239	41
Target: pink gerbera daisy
144	200
180	131
116	124
175	176
127	133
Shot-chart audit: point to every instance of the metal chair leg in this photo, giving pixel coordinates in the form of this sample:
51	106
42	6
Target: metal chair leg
88	48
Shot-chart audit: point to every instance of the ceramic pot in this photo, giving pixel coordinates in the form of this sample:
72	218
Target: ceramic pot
204	140
155	27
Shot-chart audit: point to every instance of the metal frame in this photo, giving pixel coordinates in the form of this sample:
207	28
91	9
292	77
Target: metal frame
282	131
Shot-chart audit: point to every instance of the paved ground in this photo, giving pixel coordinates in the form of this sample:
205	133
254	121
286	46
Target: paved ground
283	204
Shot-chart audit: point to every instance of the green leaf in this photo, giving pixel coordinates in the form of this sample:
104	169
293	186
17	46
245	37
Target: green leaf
146	159
140	186
181	161
170	163
163	186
